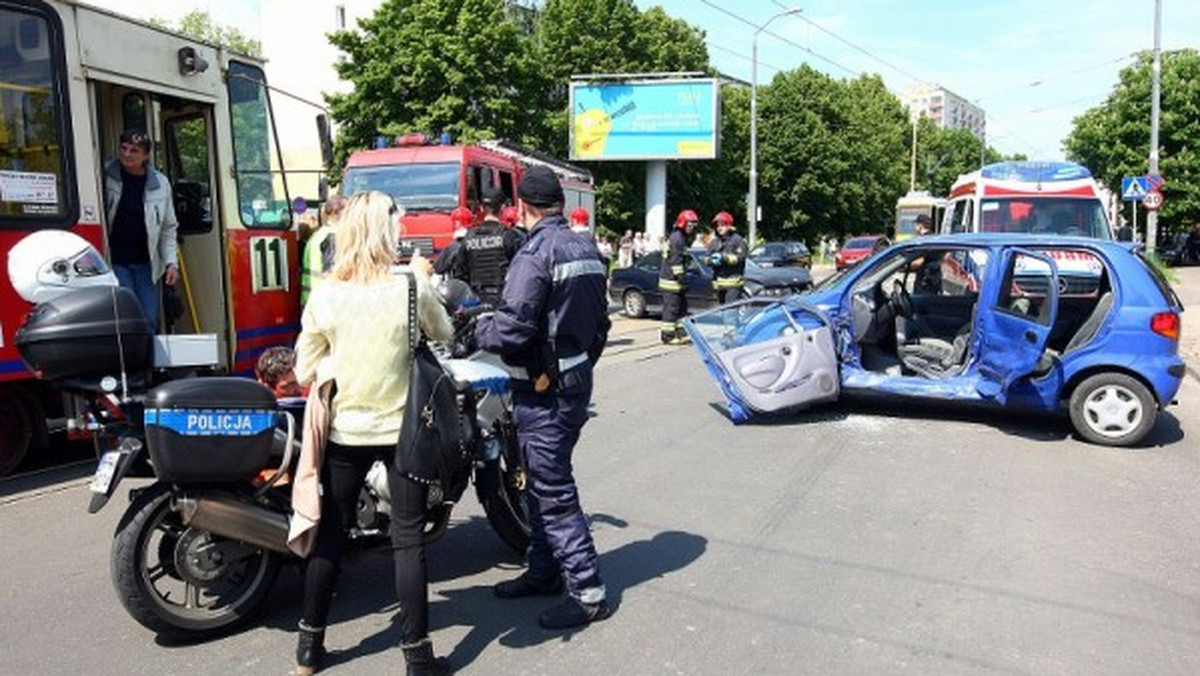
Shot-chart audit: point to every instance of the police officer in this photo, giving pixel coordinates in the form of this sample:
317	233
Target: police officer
452	261
727	255
671	278
924	225
487	262
550	328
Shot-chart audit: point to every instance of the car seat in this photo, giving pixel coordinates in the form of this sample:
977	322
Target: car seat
1083	335
937	357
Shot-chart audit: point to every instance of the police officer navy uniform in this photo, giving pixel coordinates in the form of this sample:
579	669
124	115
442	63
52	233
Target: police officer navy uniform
550	328
484	247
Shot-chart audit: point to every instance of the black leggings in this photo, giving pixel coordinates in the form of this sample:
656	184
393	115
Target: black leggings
342	478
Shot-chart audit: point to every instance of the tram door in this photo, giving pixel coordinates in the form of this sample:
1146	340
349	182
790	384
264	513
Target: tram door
183	149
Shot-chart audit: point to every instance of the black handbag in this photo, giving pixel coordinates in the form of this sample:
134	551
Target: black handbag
435	436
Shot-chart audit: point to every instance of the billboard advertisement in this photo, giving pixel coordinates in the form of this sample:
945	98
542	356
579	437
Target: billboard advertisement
645	120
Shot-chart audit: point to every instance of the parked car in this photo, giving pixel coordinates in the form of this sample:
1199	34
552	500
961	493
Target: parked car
781	255
1037	322
636	288
857	248
1180	249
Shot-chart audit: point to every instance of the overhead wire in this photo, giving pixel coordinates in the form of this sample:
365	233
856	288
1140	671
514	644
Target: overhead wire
780	37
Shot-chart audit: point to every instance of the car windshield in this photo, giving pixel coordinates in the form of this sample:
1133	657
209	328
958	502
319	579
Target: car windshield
416	187
1049	215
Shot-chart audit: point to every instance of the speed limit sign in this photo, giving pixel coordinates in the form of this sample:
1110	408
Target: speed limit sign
1152	200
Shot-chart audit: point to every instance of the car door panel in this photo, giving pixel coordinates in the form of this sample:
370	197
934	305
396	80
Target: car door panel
767	355
1015	325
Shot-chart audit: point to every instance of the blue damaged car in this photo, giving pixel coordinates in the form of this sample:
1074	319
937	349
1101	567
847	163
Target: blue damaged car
1033	321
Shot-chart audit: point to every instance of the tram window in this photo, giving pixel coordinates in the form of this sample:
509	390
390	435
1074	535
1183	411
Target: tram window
261	190
133	112
188	169
35	172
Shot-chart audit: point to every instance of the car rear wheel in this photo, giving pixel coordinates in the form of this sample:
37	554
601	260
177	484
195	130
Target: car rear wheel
634	303
1112	409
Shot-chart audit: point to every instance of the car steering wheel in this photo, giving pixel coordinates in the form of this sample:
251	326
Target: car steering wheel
901	300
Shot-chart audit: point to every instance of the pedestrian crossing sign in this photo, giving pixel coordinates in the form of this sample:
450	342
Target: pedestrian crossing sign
1133	188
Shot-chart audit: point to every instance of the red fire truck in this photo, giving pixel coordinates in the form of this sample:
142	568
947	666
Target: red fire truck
430	180
73	78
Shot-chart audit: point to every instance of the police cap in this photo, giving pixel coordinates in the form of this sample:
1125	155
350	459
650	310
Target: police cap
539	187
492	197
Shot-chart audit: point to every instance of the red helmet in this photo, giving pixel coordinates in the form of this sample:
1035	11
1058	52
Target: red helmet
723	218
462	217
686	216
509	215
580	216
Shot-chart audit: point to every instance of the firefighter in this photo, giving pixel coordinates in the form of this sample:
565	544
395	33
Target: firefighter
671	279
727	255
318	251
579	221
487	262
550	327
452	262
514	236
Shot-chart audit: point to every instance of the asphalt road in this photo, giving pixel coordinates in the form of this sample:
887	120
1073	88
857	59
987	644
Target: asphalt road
861	538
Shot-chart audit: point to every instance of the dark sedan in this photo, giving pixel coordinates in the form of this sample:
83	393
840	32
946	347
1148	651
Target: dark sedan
781	255
636	288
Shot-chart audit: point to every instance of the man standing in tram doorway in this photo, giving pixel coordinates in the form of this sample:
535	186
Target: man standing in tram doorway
550	328
487	260
727	255
141	223
671	280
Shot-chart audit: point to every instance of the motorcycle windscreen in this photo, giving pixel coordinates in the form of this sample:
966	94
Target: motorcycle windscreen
767	355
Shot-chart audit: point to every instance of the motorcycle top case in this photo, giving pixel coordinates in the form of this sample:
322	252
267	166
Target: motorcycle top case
202	430
86	333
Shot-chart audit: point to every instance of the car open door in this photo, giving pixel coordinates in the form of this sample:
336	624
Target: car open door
1015	320
767	355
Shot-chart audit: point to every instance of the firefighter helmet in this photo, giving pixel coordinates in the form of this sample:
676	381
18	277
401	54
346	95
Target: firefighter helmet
686	216
461	217
509	215
723	218
580	216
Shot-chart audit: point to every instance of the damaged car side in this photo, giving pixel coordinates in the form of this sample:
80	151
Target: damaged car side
1039	322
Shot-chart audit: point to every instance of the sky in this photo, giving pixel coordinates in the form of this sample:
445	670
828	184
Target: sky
1032	65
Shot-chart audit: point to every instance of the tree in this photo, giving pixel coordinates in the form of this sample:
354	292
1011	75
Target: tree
1112	139
457	66
945	154
199	25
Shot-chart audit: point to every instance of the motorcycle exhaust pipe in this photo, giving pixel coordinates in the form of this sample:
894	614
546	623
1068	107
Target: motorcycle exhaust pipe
235	519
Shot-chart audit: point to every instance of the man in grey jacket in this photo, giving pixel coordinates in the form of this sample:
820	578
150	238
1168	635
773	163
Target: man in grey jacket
141	223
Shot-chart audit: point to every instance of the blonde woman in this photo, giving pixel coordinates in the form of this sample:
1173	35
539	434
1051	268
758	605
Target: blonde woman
358	318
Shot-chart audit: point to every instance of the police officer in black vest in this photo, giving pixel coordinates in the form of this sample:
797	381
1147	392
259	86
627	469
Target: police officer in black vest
487	261
550	328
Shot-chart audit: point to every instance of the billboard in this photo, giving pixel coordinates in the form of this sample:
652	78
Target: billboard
645	120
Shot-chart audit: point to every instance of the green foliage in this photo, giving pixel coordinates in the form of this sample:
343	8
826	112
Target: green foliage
199	25
1113	138
457	66
944	154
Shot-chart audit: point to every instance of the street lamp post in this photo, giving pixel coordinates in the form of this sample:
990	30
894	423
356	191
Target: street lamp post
752	198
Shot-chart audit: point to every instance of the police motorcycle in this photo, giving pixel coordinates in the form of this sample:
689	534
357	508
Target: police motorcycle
198	548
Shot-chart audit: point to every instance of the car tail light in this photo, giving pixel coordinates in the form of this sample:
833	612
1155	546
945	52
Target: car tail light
1165	324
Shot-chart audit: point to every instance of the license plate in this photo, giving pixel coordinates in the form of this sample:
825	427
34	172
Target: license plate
104	472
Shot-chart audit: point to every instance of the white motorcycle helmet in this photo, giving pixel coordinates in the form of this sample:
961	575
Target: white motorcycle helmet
47	264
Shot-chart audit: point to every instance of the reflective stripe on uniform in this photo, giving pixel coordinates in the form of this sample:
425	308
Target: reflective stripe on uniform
565	271
669	285
727	282
677	270
564	364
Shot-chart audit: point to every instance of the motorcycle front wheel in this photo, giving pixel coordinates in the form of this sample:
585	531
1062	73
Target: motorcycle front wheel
180	582
500	487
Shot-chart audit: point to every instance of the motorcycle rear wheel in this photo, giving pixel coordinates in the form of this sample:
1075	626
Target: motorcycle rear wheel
500	487
183	583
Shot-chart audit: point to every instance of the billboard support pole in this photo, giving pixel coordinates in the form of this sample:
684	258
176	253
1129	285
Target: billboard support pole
656	198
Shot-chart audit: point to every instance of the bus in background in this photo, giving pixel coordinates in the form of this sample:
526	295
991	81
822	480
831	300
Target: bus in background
1058	198
430	179
73	79
914	204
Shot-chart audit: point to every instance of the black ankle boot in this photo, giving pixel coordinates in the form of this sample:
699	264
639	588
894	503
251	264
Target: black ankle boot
420	660
310	650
